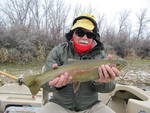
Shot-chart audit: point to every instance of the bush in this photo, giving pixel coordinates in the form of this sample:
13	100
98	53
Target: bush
143	49
3	55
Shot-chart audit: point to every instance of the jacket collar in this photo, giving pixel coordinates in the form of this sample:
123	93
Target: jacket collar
87	55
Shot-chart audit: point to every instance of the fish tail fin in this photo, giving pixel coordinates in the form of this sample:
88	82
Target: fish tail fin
32	83
34	88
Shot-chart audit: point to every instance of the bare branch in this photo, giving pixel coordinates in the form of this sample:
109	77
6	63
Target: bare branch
142	22
123	20
100	24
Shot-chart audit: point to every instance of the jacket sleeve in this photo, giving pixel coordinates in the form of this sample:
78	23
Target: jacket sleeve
104	87
54	57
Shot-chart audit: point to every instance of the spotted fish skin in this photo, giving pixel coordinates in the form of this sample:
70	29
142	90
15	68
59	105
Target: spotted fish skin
82	71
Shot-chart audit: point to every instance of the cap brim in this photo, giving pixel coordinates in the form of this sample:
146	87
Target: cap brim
83	23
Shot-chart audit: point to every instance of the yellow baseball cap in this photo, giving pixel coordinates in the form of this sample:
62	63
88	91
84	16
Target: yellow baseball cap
84	23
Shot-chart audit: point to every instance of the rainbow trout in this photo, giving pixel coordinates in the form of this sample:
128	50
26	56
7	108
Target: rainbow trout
84	70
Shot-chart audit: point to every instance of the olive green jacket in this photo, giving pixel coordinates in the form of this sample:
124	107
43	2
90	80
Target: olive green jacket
87	94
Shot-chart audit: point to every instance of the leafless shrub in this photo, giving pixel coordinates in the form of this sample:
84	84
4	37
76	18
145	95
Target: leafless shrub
7	41
13	55
29	29
3	55
144	49
121	45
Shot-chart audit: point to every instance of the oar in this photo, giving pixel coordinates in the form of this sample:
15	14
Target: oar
8	75
12	77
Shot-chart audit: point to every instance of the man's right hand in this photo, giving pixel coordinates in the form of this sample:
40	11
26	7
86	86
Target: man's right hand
60	81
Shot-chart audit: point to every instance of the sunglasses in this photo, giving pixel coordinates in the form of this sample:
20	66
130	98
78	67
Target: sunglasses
81	33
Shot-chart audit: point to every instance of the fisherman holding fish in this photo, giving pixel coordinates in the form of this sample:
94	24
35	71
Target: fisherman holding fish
83	43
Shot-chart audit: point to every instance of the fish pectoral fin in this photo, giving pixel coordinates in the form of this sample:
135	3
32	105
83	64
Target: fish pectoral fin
76	86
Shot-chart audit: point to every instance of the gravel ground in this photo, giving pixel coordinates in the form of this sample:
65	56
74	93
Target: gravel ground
136	74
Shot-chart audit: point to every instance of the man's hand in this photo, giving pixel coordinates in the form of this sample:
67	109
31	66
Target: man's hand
60	81
107	73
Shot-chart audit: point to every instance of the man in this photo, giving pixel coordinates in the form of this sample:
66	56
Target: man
82	43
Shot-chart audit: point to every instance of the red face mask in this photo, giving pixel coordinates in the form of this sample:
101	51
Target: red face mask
81	48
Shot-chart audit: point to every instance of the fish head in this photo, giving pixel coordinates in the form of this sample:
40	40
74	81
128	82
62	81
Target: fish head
119	63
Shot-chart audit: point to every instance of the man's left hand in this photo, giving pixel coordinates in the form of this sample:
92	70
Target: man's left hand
107	73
